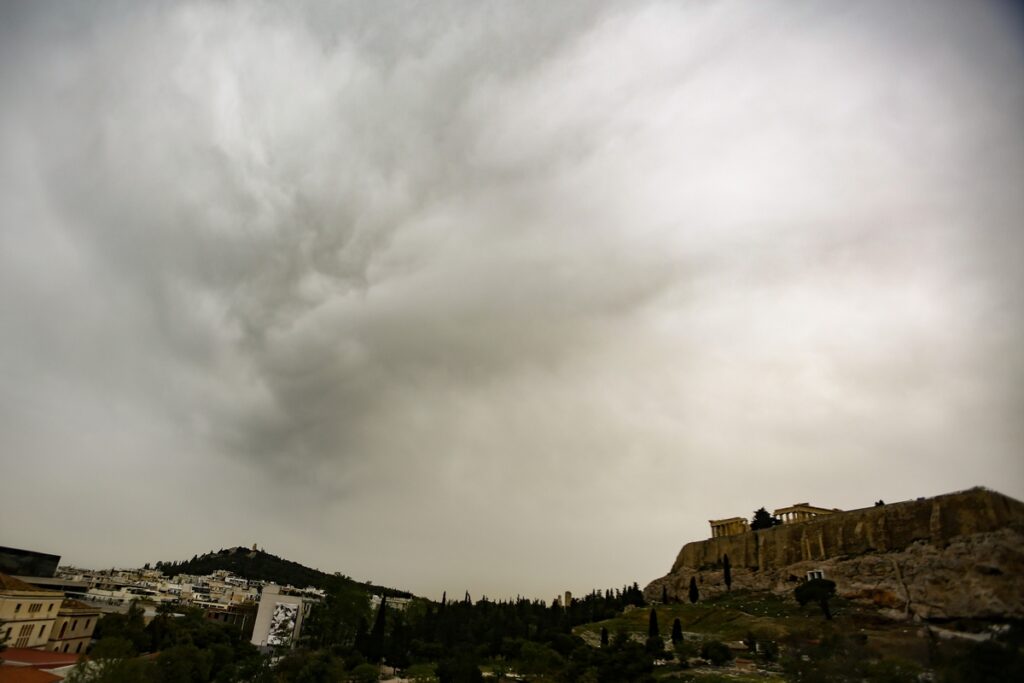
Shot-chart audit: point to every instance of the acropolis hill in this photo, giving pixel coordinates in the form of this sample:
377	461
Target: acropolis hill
955	555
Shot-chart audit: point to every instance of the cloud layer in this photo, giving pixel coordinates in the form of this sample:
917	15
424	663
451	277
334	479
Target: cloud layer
500	296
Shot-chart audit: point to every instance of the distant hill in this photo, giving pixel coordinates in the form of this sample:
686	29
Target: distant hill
263	566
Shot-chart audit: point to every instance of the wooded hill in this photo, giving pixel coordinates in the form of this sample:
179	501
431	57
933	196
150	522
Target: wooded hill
263	566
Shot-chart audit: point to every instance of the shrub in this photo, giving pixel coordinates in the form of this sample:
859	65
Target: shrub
716	652
365	673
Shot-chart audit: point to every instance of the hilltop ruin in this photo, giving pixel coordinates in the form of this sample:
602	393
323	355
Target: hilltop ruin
954	555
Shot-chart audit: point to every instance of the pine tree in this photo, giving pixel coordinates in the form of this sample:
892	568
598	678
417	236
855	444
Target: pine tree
694	595
727	571
763	520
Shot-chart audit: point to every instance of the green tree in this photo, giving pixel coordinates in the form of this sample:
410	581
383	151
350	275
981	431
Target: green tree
421	673
716	652
664	594
130	626
694	594
375	649
604	637
537	659
763	520
655	645
112	660
677	632
727	572
334	621
184	664
462	669
364	673
816	590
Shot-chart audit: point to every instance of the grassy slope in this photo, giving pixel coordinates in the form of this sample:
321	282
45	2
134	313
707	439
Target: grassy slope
727	618
731	617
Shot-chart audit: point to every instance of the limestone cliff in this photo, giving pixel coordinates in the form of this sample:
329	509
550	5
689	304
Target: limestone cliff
956	555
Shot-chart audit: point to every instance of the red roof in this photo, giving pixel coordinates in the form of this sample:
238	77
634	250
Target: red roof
38	659
25	674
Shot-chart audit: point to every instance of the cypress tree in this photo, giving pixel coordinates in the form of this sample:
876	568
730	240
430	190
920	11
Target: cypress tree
727	570
694	595
604	637
664	594
376	640
677	632
652	625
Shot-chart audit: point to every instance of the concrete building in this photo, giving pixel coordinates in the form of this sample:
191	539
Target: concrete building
279	618
27	613
18	562
73	627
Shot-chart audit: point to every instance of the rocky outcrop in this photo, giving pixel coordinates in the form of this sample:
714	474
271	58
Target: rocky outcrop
958	555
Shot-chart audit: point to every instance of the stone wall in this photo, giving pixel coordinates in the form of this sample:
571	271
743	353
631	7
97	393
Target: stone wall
905	556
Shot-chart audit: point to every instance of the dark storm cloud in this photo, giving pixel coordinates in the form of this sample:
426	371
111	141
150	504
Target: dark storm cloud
369	280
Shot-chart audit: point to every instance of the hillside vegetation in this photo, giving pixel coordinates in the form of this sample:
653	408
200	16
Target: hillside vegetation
771	637
258	565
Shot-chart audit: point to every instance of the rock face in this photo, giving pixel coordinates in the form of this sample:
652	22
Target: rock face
957	555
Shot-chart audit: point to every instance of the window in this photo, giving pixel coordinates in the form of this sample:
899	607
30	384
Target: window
26	630
22	642
63	628
17	607
50	608
42	630
74	624
87	622
815	574
79	648
65	647
35	607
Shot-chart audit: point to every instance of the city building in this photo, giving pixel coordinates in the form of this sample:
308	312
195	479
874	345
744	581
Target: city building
18	562
73	627
279	618
27	613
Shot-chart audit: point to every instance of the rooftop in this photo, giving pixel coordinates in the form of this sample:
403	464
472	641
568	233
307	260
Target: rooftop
71	604
9	583
21	657
25	674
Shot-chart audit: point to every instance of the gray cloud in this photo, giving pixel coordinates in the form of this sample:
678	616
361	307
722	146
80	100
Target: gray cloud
504	297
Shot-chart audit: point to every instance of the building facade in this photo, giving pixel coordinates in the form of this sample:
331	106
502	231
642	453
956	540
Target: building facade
18	562
26	613
73	627
279	618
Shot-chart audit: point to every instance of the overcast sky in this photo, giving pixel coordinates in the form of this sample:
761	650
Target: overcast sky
506	297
